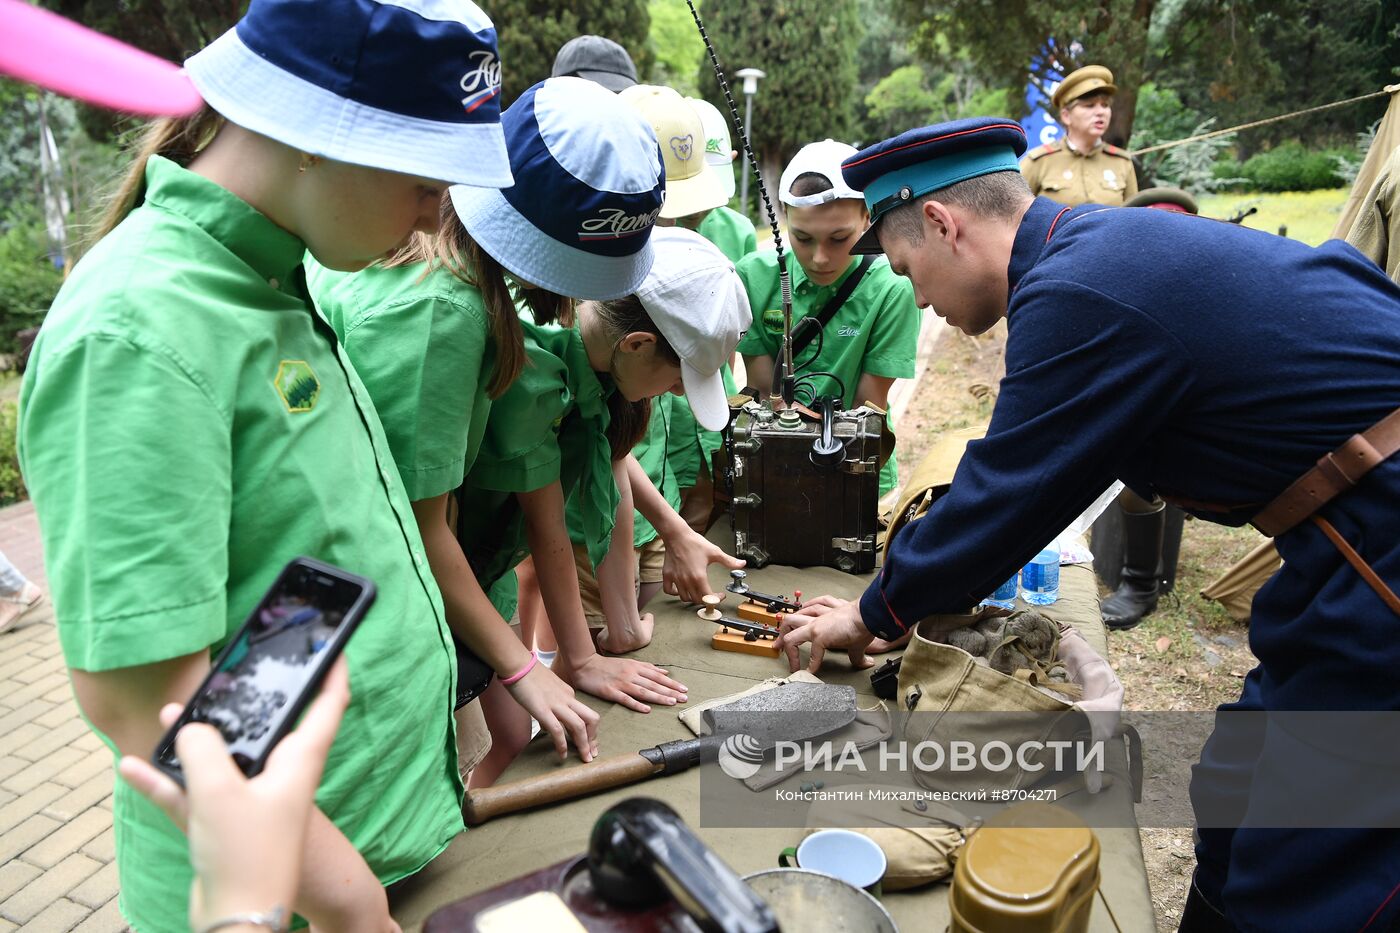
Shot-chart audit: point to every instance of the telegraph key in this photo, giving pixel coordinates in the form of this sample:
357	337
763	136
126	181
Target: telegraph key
736	634
762	608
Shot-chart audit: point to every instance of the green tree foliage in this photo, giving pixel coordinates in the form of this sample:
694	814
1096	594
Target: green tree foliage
676	46
905	100
19	143
530	33
1000	37
1291	167
28	280
1235	62
808	49
11	482
1258	58
900	101
1162	117
884	49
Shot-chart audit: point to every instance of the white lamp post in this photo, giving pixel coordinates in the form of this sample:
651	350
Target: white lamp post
750	77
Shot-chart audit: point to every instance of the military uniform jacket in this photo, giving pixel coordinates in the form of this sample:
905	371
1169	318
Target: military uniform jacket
1062	173
1194	359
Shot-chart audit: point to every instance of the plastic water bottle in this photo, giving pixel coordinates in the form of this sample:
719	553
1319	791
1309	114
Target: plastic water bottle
1040	579
1004	596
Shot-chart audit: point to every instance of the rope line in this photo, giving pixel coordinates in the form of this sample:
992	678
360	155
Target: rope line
1284	116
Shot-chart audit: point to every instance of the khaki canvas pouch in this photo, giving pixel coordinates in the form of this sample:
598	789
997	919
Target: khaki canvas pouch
936	680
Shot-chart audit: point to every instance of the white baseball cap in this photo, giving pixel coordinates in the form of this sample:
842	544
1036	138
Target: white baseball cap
690	186
719	151
824	159
698	302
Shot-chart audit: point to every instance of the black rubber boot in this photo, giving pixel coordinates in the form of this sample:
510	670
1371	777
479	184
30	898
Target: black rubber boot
1136	595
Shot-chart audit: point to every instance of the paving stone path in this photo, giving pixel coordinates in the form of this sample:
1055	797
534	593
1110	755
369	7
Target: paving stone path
57	868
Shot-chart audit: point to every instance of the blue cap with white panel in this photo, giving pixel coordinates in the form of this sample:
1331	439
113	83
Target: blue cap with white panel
410	86
589	184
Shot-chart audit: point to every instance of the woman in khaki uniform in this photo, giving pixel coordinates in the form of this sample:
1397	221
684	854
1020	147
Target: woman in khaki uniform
1080	168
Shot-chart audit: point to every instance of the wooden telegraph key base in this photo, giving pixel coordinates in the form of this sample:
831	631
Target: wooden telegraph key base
757	612
732	641
763	608
727	640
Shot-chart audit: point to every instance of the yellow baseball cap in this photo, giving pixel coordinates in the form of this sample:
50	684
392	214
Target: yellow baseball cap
690	186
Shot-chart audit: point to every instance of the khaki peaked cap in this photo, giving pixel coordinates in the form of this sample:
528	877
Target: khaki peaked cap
1082	81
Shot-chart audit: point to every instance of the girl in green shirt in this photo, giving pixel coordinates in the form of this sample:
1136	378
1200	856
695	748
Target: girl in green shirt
437	338
564	432
188	425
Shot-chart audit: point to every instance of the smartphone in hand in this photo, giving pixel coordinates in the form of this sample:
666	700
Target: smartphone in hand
271	669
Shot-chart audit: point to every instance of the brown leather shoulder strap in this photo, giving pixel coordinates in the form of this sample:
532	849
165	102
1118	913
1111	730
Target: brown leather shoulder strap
1334	474
1358	562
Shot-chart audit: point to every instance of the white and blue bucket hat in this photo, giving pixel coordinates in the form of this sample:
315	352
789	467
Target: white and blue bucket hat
589	185
411	86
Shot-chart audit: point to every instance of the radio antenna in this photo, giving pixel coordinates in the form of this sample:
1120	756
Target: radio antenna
784	381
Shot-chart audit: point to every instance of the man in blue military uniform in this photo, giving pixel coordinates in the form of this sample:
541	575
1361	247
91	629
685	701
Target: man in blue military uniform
1214	367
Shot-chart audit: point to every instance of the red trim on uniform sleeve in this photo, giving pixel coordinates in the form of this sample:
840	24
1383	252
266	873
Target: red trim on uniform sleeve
1062	213
1377	913
890	610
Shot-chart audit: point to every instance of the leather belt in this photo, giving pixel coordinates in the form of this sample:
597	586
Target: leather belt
1335	473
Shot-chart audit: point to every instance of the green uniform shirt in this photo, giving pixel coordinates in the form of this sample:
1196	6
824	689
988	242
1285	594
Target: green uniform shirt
653	454
731	231
425	353
549	425
187	426
876	331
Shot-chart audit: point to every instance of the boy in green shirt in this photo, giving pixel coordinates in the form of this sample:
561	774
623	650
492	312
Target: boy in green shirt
873	338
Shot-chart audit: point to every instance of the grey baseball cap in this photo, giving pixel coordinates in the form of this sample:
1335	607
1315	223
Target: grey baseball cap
597	59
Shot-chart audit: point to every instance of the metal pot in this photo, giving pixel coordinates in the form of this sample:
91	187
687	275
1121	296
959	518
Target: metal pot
810	900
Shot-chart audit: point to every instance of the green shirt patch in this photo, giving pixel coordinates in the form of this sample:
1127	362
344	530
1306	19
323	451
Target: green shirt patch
296	382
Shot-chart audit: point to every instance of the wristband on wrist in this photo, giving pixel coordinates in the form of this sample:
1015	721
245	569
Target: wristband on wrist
274	919
530	666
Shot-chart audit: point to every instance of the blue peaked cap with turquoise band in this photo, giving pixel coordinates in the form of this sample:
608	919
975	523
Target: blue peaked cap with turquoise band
912	164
